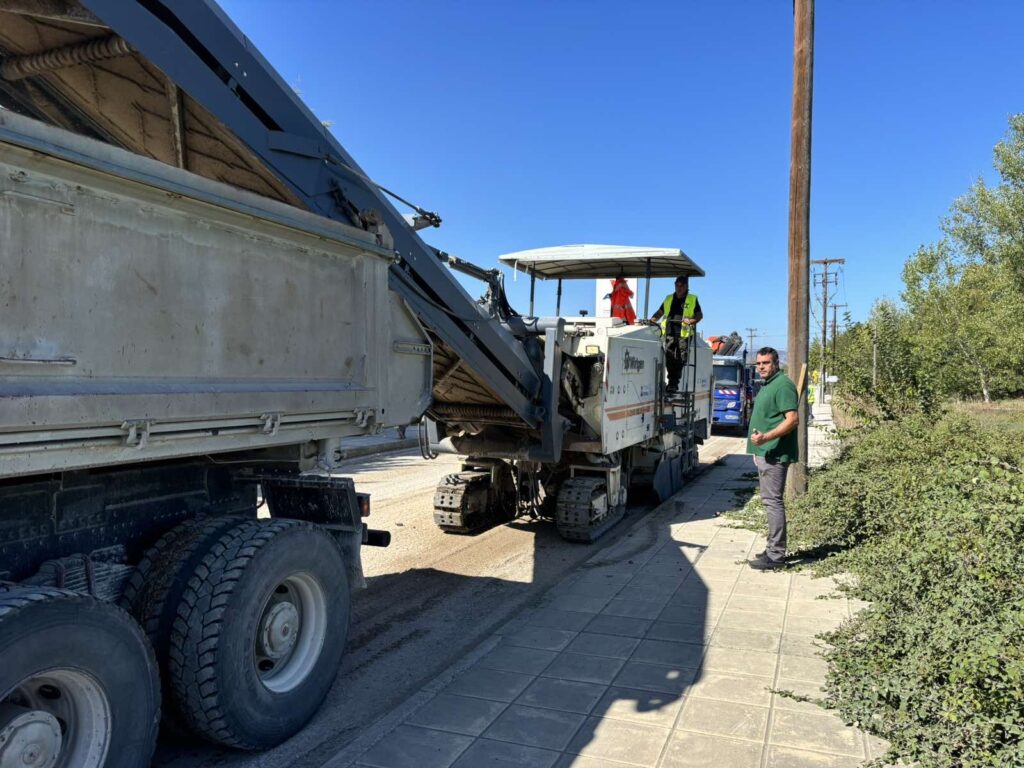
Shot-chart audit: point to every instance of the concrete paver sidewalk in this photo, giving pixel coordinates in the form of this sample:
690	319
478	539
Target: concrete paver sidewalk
664	649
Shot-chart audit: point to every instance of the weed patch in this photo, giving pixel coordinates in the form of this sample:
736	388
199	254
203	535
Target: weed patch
928	517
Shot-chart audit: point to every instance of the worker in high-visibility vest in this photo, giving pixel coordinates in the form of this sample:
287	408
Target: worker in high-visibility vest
678	315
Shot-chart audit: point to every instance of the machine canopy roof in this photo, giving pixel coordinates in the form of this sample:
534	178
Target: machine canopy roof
589	261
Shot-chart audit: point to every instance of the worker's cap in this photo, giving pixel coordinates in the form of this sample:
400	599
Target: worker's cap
682	280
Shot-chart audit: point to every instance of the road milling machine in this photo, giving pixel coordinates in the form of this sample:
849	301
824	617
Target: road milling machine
615	427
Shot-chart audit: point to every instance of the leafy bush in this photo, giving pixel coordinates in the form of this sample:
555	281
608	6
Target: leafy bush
929	518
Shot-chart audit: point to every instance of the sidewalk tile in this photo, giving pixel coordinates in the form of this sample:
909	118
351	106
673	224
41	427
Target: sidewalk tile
728	558
513	658
656	677
763	587
756	604
603	576
802	645
635	705
493	684
614	646
821	733
634	609
688	614
720	573
819	609
806	587
583	668
535	727
578	761
701	592
760	621
724	718
619	740
665	652
746	639
738	689
588	589
809	625
802	689
784	757
803	668
542	638
619	625
458	714
740	661
577	603
698	750
411	747
659	573
696	633
552	618
564	695
501	754
657	593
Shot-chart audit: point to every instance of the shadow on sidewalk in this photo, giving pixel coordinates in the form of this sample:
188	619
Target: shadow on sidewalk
600	665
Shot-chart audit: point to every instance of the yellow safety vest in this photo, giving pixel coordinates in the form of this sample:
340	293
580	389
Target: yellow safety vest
689	309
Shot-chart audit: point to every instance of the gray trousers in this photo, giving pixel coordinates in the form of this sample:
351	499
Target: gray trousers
771	476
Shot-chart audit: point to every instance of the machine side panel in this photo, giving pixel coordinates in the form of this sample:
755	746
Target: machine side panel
630	391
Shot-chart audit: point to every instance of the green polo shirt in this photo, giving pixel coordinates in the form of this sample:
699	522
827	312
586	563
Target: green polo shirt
777	397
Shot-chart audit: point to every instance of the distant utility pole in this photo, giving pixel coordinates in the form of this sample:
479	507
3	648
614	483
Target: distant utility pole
874	362
826	280
835	308
750	339
800	220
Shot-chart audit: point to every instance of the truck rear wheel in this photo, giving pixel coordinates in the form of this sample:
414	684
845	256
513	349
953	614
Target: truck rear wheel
66	699
155	588
259	633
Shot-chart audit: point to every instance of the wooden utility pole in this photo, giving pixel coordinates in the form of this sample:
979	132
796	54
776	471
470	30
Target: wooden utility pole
800	217
826	280
874	359
835	335
835	329
750	340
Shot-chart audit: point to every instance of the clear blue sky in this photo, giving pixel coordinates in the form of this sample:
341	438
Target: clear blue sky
529	124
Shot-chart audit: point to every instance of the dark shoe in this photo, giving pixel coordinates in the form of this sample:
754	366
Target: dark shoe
761	555
766	564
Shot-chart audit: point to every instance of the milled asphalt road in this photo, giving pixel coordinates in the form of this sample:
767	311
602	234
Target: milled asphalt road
431	597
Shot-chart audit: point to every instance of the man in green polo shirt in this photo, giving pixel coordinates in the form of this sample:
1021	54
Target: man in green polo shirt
773	442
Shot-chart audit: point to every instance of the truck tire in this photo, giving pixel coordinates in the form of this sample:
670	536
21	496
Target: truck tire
66	697
259	633
155	588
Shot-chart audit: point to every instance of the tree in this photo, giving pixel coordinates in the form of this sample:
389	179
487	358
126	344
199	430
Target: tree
988	222
965	321
960	331
881	376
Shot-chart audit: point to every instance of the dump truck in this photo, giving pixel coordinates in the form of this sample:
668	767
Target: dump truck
734	392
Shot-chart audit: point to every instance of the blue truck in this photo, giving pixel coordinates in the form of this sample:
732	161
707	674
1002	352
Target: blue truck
734	392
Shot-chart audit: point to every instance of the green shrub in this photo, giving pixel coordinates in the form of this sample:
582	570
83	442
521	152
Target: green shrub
929	518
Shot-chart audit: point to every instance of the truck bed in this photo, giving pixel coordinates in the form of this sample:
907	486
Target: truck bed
148	312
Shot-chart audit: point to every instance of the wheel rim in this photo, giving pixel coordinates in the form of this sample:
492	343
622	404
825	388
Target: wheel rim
55	719
290	633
